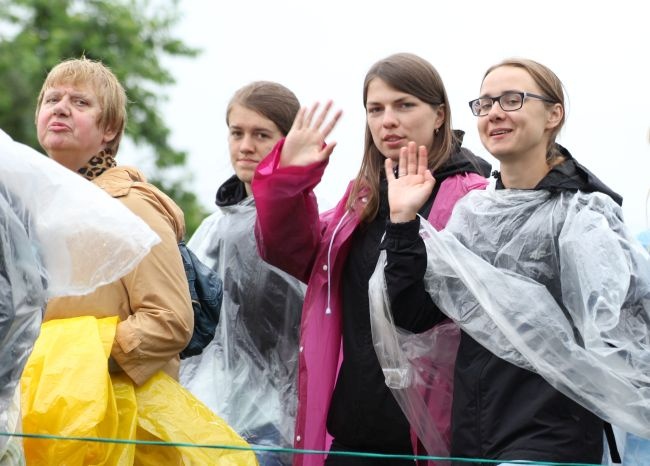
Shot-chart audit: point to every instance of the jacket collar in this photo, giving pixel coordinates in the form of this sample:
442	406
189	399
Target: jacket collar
569	176
117	181
461	160
231	192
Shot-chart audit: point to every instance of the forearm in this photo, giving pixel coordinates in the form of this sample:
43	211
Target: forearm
161	319
412	307
288	228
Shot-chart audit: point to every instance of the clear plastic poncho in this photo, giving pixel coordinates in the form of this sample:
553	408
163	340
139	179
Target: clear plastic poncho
555	284
248	373
59	235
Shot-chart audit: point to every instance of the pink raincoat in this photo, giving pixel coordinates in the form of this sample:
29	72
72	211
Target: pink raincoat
292	236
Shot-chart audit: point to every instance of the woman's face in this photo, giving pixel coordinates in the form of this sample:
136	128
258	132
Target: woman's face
395	118
67	125
251	136
519	134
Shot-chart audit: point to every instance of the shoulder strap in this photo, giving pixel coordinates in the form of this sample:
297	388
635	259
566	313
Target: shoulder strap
206	291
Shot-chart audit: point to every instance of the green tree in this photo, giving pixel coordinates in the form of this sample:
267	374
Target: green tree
129	36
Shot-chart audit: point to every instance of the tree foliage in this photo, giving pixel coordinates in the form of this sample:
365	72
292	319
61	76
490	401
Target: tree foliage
129	36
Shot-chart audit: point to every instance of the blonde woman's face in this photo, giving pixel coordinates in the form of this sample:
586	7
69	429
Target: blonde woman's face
395	118
67	125
520	134
251	136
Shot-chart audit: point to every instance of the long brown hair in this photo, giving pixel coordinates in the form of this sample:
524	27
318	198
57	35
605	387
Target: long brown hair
551	87
413	75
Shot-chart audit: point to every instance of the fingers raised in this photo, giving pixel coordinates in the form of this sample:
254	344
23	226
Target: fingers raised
388	167
423	160
412	161
332	123
310	114
298	121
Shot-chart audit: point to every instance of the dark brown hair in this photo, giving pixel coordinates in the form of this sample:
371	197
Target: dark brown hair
413	75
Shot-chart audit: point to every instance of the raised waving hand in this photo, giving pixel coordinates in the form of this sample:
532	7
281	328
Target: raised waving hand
305	143
410	189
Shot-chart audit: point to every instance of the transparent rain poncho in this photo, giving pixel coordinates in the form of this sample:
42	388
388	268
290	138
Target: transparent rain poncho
59	235
553	283
247	374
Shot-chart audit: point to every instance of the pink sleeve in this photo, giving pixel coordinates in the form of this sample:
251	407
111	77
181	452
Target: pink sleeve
288	228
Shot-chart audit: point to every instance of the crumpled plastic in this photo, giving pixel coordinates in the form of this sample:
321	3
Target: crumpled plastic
67	391
554	283
51	246
418	368
247	374
85	237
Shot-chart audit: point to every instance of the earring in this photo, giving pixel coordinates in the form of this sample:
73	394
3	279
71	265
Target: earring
436	131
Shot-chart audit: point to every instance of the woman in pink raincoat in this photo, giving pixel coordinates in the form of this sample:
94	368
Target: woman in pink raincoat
341	385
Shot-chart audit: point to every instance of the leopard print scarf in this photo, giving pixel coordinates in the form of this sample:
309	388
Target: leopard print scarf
98	165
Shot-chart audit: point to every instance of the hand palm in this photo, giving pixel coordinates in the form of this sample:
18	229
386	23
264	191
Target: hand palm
305	143
408	192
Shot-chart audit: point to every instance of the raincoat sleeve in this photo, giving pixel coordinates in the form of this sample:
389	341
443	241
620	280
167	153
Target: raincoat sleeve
412	307
288	227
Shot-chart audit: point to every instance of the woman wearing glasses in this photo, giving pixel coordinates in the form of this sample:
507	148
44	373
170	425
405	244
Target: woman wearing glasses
336	253
548	286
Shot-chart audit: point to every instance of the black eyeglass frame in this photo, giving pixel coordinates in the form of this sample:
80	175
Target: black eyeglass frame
523	96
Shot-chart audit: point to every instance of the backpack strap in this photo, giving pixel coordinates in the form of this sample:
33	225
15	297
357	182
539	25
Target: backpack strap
611	442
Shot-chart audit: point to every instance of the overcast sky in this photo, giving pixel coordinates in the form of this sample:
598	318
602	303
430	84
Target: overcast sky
322	50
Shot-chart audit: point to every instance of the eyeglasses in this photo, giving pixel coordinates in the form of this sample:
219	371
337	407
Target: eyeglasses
509	102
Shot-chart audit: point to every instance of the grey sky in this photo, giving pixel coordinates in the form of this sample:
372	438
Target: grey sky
322	50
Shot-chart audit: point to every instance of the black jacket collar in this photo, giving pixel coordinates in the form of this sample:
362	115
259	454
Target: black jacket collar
231	192
462	160
570	176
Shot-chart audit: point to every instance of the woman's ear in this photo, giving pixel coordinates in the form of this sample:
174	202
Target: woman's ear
554	116
440	115
109	135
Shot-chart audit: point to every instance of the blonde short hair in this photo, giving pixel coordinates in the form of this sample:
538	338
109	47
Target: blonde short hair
109	91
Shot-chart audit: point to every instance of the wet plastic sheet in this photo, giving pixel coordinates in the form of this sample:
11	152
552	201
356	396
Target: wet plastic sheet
51	246
552	283
247	374
67	391
86	238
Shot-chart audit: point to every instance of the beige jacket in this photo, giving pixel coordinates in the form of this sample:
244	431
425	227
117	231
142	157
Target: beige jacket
153	301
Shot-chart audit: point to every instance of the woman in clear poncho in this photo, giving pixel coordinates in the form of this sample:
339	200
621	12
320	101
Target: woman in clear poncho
45	234
247	374
548	286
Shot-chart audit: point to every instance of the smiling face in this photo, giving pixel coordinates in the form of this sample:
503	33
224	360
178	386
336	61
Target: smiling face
395	118
67	125
251	137
521	134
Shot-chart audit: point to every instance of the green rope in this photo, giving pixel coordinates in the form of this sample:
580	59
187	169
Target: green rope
287	450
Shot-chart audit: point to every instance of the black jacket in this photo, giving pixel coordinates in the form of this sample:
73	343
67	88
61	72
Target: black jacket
503	412
363	413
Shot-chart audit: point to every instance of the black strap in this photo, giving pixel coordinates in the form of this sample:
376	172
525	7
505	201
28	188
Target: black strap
611	441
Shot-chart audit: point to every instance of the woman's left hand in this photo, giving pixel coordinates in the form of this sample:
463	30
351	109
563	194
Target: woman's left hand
408	192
